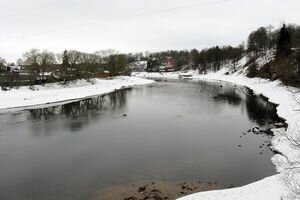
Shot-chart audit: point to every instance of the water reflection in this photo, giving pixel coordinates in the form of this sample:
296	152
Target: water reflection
113	101
261	111
258	109
78	114
230	96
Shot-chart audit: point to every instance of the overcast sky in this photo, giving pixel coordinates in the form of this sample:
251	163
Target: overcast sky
134	25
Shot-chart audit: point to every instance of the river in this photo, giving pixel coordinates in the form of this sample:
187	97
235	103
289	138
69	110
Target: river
171	131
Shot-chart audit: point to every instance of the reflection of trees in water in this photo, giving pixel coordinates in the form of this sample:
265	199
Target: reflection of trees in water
260	110
76	115
221	92
42	113
231	96
87	107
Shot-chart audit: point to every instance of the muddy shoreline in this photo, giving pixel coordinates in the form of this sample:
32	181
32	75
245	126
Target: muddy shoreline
155	190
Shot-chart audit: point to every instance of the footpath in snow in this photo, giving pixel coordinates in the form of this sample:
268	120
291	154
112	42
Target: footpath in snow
270	188
56	92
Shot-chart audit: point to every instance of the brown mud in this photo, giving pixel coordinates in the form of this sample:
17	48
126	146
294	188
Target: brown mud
154	190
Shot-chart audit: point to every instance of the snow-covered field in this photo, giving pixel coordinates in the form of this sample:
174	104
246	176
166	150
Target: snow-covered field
56	92
270	188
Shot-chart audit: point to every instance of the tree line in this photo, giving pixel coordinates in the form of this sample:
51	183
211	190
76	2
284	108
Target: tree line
43	66
211	58
265	38
285	42
71	64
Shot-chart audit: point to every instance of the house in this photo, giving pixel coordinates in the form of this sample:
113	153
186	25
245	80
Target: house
13	68
168	66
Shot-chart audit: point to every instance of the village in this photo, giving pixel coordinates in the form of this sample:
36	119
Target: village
36	74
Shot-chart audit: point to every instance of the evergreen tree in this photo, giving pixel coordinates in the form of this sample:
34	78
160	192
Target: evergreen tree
217	58
65	60
283	43
194	57
65	66
152	64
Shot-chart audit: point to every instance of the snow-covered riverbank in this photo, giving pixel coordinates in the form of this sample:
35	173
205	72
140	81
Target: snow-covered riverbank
56	92
270	188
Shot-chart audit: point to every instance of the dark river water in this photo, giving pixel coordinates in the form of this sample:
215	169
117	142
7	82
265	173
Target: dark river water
166	131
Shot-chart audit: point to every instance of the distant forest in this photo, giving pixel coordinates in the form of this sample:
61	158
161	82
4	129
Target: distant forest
43	66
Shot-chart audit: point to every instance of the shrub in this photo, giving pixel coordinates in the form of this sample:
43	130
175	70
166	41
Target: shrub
252	70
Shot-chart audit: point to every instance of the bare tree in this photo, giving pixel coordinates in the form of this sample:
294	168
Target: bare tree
291	174
47	60
74	60
31	57
38	62
31	60
106	52
2	63
117	64
20	62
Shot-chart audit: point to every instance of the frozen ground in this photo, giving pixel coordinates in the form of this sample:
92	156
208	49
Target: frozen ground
56	92
270	188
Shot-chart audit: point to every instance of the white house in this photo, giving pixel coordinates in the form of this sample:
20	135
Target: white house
13	68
